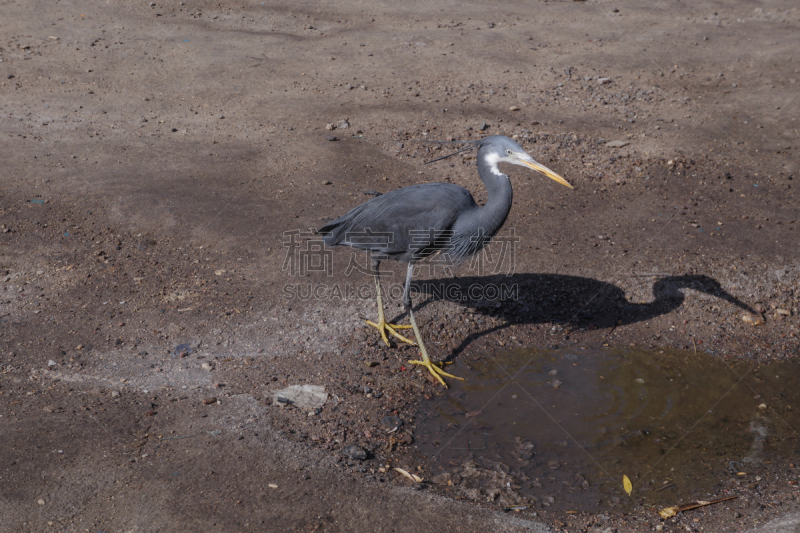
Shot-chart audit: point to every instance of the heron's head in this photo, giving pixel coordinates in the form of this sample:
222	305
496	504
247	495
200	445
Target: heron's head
500	149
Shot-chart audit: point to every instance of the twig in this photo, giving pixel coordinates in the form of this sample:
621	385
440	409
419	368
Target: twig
175	438
672	511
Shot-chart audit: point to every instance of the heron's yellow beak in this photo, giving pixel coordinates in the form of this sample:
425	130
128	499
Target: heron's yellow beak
547	172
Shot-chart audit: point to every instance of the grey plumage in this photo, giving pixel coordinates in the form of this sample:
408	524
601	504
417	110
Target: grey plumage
414	222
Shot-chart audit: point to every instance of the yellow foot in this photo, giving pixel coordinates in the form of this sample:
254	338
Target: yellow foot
436	370
384	326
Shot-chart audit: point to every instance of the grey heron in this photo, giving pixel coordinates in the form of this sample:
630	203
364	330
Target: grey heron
415	222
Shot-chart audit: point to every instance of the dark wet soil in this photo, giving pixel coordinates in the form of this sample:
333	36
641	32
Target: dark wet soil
562	428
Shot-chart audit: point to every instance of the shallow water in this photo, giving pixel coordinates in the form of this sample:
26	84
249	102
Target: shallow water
560	428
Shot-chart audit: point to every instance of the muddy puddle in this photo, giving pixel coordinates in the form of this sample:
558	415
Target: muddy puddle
559	429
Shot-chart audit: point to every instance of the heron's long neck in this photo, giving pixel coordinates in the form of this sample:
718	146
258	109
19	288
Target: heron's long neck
493	214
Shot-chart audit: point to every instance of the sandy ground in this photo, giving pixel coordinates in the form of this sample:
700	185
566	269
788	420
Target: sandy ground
158	157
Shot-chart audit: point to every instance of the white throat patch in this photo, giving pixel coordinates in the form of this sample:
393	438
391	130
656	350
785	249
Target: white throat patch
493	160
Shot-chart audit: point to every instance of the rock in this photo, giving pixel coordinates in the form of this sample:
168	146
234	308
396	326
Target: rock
617	144
326	182
182	350
332	138
355	452
392	422
513	108
471	494
41	501
752	319
442	479
303	396
482	126
209	401
330	127
359	335
206	366
342	125
447	479
51	363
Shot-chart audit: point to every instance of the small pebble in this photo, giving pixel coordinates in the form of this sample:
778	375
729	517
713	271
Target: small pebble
206	366
753	320
392	422
355	452
41	502
209	401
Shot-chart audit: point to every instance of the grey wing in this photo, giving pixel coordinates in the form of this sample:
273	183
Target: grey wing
403	224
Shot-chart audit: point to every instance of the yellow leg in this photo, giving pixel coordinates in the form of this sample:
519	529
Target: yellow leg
383	326
434	368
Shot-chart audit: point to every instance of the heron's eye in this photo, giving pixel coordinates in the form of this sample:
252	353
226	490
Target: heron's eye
508	152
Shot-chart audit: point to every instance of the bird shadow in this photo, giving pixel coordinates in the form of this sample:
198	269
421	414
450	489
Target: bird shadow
573	301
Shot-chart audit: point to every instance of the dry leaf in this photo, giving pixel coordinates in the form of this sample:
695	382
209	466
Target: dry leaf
413	477
668	512
626	484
